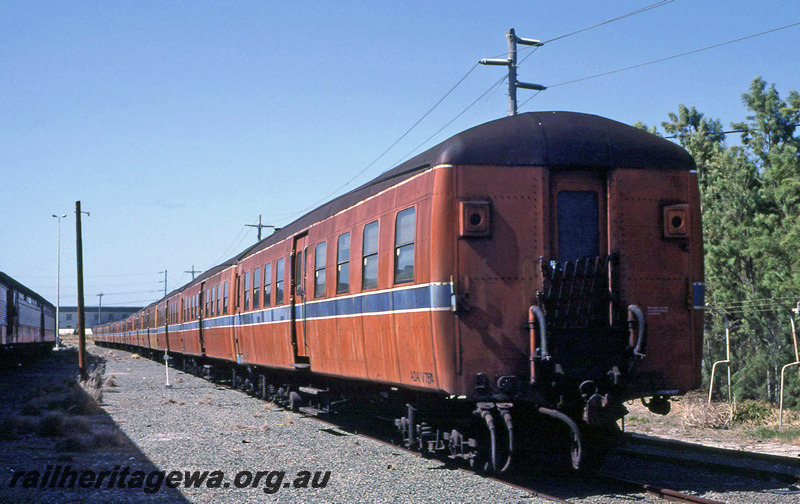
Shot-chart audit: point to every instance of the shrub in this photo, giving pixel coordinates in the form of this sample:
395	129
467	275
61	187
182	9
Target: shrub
51	424
751	411
697	413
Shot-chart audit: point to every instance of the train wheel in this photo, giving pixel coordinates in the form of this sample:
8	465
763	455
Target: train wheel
579	451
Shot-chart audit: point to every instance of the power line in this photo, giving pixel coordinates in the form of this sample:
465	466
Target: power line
135	292
623	16
674	56
232	245
708	133
534	47
70	296
492	89
322	200
313	205
632	13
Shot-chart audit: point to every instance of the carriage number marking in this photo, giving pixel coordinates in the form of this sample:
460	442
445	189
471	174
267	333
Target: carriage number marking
425	378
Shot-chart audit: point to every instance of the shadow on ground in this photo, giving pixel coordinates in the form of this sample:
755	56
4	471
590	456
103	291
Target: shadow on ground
58	445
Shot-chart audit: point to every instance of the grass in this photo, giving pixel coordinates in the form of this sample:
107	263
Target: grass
66	412
764	432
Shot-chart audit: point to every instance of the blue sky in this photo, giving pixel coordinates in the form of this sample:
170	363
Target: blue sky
176	123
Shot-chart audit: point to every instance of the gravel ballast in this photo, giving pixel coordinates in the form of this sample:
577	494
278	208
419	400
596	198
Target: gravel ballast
198	426
141	436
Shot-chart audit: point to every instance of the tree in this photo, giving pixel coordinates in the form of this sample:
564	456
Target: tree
750	197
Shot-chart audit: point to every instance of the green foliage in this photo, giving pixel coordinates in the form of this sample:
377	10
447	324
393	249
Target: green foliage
762	432
752	411
750	197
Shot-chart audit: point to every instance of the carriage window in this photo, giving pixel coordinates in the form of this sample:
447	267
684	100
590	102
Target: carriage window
343	264
219	297
213	297
207	311
299	272
404	246
225	300
319	269
267	284
256	288
578	225
247	291
279	282
369	265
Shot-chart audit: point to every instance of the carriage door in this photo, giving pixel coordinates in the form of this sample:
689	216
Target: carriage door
576	275
578	216
298	299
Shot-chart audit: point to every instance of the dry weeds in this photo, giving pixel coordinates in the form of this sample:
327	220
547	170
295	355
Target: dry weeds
698	413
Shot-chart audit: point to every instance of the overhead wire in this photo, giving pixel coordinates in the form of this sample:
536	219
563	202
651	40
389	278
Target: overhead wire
426	114
234	243
660	60
494	86
534	48
629	14
354	177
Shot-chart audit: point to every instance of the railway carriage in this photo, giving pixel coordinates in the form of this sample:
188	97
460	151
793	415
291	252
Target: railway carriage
542	265
27	320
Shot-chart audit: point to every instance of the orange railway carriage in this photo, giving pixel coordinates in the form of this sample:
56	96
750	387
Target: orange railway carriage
542	264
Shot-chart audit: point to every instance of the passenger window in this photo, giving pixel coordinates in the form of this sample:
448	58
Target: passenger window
247	291
279	282
404	246
343	264
578	225
267	284
299	271
219	296
213	297
319	269
225	300
256	288
369	265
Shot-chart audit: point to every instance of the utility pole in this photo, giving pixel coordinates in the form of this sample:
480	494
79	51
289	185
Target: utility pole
58	279
511	63
259	226
99	306
165	281
81	307
193	271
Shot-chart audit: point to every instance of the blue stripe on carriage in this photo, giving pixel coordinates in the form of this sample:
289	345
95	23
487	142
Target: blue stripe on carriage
415	298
